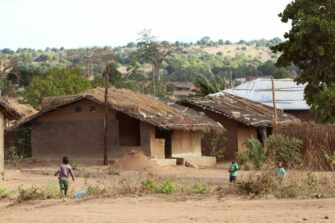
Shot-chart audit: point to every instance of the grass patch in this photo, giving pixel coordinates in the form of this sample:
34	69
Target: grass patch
114	172
200	188
167	187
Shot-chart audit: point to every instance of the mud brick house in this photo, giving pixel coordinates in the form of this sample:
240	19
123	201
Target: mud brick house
242	118
11	137
7	113
73	126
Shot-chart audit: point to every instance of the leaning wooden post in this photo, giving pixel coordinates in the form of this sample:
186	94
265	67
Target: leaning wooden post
106	73
274	105
2	150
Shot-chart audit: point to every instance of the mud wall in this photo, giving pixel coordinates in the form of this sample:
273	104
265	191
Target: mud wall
157	145
245	132
80	134
186	143
235	134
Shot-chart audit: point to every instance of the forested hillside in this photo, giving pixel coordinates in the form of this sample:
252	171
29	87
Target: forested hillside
149	65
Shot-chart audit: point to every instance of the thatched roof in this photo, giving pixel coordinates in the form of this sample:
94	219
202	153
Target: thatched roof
240	109
25	110
8	110
136	105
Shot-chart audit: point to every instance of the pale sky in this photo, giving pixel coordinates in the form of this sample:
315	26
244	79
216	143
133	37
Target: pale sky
87	23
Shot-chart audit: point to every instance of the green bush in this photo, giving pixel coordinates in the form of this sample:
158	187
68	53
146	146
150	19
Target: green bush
311	181
284	149
255	152
3	193
149	185
200	188
167	187
242	158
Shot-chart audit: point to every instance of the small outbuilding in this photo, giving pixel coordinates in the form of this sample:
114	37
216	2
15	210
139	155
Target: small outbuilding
242	118
74	126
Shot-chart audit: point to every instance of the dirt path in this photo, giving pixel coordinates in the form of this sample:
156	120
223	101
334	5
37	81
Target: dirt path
163	209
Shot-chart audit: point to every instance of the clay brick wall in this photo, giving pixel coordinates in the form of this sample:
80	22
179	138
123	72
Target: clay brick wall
80	134
235	133
186	143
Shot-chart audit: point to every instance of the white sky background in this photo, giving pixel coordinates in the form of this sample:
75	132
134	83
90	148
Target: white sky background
85	23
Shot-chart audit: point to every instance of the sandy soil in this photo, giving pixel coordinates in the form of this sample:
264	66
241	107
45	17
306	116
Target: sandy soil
163	209
155	208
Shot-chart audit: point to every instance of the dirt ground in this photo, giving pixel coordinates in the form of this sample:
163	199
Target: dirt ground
162	209
155	208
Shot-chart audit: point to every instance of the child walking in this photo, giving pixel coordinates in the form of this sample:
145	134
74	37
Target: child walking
63	176
233	167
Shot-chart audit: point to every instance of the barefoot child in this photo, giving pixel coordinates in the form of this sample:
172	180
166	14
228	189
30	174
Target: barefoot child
63	174
233	171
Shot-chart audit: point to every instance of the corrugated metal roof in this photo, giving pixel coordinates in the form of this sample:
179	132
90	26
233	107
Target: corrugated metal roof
289	95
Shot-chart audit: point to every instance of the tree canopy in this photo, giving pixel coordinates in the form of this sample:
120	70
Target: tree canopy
311	47
55	82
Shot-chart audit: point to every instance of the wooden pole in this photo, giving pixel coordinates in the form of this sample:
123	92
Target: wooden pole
106	73
274	104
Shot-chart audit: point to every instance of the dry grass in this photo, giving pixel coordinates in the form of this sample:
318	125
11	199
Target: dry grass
262	53
297	184
139	106
318	141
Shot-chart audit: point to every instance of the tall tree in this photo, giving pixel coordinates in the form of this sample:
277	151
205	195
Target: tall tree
153	52
55	82
310	45
209	84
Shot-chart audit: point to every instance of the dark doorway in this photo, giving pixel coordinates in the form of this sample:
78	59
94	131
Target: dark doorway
164	134
129	130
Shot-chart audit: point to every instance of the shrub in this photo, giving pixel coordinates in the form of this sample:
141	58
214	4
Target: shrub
242	158
284	149
167	187
311	181
149	185
255	152
3	193
31	193
51	190
12	156
317	139
212	144
200	188
96	191
290	191
259	184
